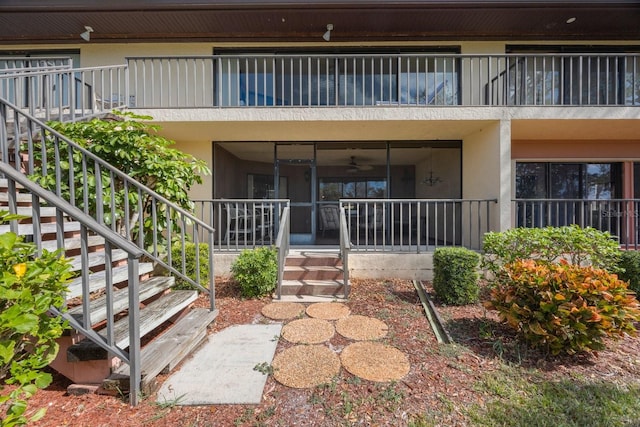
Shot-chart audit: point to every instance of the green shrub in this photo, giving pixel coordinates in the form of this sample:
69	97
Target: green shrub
190	263
455	275
630	269
256	271
564	308
576	245
29	286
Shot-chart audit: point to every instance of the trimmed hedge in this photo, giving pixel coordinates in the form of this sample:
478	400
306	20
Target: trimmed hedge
190	263
630	269
256	271
455	278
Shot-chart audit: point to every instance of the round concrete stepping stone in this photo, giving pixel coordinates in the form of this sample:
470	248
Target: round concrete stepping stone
361	328
328	310
283	310
308	331
375	361
305	366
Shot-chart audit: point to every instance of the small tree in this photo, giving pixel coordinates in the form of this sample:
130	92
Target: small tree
29	286
135	148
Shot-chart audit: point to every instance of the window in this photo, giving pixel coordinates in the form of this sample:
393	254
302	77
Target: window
334	189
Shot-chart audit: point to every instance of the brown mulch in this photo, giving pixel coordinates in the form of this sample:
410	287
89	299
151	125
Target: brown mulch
308	331
361	328
305	366
328	310
374	361
441	382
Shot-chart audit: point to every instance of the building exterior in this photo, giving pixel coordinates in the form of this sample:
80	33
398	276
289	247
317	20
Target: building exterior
438	120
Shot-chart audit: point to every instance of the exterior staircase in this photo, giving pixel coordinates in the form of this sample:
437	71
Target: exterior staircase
313	275
168	325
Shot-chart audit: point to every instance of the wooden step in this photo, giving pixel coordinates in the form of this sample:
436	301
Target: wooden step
164	353
20	197
151	316
71	243
46	228
148	289
45	211
97	259
294	272
313	287
97	280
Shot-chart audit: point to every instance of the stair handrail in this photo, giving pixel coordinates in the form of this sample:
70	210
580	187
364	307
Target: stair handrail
185	218
132	357
345	248
282	247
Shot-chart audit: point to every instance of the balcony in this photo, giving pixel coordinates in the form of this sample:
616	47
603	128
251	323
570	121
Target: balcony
398	80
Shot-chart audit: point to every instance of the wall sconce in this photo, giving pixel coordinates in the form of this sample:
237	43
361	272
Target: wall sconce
327	35
86	35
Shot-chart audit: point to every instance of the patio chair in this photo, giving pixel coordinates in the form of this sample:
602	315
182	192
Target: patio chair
329	218
240	223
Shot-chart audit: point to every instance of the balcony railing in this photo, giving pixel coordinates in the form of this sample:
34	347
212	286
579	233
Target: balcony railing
620	217
384	80
416	225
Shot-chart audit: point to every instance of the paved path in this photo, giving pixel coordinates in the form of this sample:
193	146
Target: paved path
221	370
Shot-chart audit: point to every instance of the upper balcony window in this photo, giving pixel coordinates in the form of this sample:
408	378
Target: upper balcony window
326	80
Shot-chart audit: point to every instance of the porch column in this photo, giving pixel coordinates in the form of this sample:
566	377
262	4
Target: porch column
487	170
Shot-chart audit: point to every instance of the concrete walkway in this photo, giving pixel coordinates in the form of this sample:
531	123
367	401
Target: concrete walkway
221	370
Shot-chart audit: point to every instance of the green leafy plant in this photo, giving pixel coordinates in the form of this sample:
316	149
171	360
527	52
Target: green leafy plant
190	263
455	275
564	308
572	243
29	286
256	271
134	147
629	266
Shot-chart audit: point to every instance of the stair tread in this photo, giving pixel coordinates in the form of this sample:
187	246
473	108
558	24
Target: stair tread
312	268
97	280
153	315
97	258
148	289
45	211
72	243
20	197
46	228
311	282
173	345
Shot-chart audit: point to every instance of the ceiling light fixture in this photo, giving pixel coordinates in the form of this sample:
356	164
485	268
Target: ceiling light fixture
571	20
431	180
86	35
327	35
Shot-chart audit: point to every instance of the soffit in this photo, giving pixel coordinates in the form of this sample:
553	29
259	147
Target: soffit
39	21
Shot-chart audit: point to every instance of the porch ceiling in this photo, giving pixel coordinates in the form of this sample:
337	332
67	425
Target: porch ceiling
549	129
61	21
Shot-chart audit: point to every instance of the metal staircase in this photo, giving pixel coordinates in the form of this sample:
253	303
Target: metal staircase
116	302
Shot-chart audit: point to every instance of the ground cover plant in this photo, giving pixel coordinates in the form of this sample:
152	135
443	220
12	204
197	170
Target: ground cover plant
485	378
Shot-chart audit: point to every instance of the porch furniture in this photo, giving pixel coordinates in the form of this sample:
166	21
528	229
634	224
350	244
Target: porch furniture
245	223
329	218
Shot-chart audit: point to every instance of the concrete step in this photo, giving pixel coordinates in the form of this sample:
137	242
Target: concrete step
294	272
319	259
334	288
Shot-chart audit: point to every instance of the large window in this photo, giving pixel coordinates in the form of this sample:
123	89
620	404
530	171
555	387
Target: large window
334	189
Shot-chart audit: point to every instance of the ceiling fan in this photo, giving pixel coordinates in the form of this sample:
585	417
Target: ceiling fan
353	166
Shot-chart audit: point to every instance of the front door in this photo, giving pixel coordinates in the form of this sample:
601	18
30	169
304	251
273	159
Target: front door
297	163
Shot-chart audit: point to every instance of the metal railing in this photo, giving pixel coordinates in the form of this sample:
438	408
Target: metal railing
110	197
619	217
25	64
242	223
66	94
416	224
282	246
385	80
345	248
